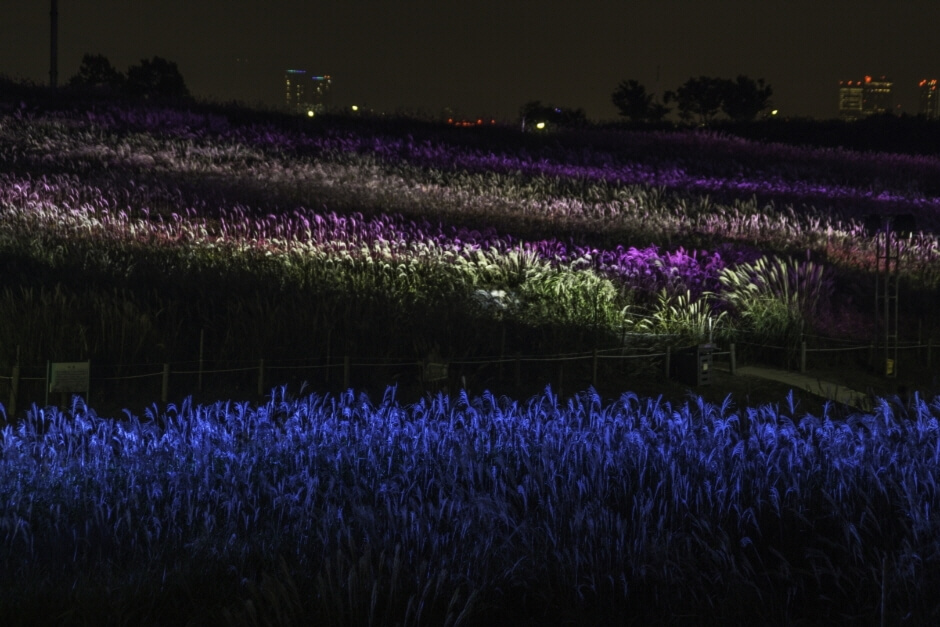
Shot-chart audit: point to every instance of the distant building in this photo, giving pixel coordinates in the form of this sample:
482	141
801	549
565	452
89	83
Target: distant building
294	84
877	96
869	96
851	100
929	99
306	94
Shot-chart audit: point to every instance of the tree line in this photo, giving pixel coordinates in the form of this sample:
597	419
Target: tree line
698	100
155	78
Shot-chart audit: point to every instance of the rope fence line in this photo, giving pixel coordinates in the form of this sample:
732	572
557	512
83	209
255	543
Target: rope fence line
221	370
601	353
841	350
311	367
391	362
596	355
644	356
128	377
782	348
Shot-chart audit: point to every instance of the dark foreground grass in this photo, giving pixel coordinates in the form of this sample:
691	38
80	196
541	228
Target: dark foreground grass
337	510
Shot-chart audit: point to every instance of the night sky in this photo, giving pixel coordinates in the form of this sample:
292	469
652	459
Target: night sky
490	57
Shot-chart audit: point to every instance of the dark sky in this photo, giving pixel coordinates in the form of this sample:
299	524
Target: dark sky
489	57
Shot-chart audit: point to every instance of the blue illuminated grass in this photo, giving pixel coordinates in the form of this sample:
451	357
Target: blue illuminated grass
456	511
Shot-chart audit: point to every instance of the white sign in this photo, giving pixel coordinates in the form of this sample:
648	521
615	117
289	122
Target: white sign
69	377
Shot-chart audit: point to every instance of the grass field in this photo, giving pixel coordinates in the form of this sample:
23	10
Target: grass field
134	234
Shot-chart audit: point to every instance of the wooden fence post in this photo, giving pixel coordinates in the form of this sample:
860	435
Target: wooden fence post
165	388
14	385
920	337
594	370
202	338
329	336
502	352
623	348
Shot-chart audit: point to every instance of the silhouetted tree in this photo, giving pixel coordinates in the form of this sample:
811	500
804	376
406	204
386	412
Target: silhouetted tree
699	98
156	78
635	104
745	98
97	73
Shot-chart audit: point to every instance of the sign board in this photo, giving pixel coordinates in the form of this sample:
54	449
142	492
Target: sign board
69	377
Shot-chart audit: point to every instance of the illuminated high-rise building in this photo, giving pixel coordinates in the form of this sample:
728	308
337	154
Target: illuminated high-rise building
320	87
929	99
851	97
877	96
869	96
294	84
306	94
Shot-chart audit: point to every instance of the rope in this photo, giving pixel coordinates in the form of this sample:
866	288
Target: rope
647	356
130	376
267	367
601	353
215	371
765	345
837	350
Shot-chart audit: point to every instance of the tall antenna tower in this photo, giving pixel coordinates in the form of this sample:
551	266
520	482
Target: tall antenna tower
54	44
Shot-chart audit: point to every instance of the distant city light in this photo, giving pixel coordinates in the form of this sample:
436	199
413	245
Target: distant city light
929	99
306	97
862	98
468	123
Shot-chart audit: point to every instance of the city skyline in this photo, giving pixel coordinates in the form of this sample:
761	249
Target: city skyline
491	58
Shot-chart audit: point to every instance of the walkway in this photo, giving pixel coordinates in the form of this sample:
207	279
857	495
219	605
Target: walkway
824	389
